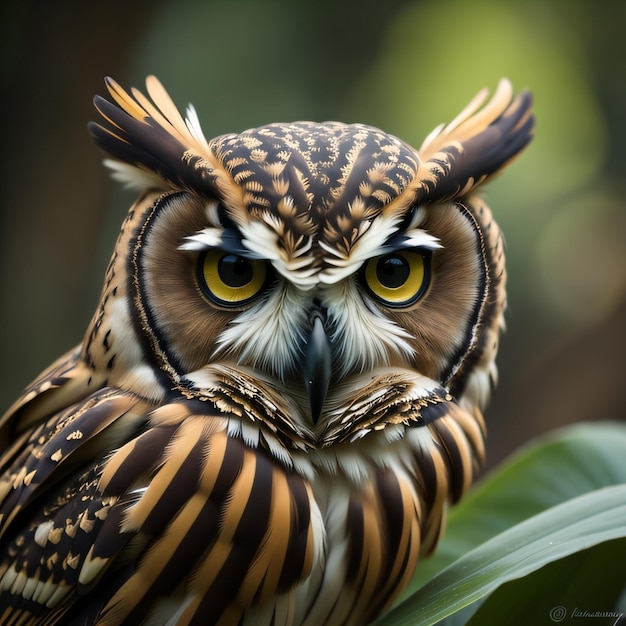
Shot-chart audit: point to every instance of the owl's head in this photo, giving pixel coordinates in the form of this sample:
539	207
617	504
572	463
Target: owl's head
320	259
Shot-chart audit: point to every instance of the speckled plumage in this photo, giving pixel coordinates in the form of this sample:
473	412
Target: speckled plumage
281	387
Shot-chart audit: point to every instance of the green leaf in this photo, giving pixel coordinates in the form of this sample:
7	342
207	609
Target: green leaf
558	532
549	470
590	581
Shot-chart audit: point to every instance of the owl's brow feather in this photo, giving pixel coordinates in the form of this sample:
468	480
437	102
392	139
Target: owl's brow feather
229	240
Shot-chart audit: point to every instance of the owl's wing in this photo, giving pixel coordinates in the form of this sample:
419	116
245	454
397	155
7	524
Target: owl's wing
46	509
63	383
479	142
181	514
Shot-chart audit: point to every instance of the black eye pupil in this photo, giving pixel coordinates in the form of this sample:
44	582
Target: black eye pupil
234	270
392	271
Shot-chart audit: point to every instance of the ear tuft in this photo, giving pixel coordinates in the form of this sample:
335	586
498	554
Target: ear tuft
150	143
477	144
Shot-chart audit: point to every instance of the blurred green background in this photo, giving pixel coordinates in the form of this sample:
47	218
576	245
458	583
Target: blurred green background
405	66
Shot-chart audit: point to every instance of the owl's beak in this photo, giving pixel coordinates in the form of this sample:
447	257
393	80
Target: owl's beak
317	366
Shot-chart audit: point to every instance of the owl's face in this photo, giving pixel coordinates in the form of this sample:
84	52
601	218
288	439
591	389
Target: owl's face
315	268
331	268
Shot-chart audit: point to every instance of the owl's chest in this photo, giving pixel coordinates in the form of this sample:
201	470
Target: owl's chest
366	519
330	538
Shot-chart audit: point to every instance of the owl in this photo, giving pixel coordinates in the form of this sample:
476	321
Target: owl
280	391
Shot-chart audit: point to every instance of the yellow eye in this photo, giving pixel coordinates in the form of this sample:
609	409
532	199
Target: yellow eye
229	279
398	279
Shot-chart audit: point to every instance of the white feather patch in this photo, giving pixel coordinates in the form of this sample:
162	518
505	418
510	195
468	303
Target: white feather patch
134	177
193	125
276	347
367	338
206	238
